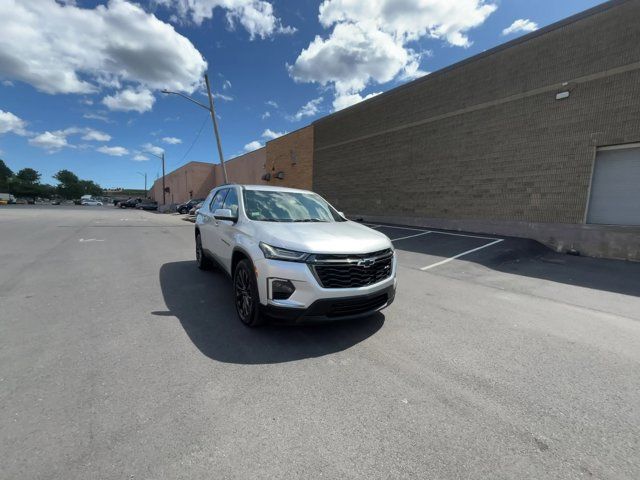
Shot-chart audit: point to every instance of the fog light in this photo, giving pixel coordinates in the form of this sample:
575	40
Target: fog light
281	289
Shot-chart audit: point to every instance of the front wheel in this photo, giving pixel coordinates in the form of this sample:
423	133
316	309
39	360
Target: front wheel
245	293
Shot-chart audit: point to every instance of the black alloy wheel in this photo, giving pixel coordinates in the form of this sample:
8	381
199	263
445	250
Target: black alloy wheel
245	293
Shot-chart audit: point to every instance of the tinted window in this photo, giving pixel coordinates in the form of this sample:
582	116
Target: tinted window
218	200
231	202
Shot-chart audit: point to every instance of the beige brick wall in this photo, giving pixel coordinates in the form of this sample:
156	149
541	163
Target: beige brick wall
293	155
246	169
193	180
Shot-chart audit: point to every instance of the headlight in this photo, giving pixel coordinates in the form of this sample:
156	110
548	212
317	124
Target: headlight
276	253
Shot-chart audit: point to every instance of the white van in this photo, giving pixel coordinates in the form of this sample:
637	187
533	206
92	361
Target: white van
7	197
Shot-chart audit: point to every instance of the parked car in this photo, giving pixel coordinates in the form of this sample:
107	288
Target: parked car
194	209
186	207
8	198
131	203
293	257
91	202
147	205
55	202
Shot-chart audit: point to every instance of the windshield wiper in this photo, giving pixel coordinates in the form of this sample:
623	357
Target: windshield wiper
310	220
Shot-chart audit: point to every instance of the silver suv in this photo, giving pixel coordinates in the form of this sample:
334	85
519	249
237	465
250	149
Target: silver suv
292	257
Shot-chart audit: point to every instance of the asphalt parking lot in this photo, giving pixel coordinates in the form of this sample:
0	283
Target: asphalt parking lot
498	359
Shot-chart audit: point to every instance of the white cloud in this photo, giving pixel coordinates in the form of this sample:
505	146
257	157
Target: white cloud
222	96
521	25
66	49
309	109
96	136
130	100
226	85
346	100
251	146
148	147
138	157
97	116
171	140
270	134
113	151
271	103
7	83
10	123
50	141
266	115
256	16
369	41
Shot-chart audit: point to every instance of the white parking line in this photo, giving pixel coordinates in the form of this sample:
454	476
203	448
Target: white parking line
447	260
410	236
373	225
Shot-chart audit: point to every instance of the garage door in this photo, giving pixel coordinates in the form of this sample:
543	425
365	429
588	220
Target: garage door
615	188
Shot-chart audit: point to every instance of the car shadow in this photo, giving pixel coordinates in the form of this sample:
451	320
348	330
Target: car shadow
202	302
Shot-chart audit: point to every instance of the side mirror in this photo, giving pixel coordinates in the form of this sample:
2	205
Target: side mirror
224	214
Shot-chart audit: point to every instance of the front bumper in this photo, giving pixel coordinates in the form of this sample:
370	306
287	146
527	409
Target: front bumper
311	302
330	309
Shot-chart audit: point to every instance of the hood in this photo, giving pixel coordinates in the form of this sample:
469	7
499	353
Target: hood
325	237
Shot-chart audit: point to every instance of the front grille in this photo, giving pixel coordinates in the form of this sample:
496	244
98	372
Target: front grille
352	271
347	308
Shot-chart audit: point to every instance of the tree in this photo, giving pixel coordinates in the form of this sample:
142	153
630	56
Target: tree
5	175
28	175
90	188
69	184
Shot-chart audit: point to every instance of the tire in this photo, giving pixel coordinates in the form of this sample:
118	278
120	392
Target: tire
245	294
204	262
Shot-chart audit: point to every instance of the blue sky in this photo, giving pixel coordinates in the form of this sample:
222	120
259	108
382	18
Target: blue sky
90	100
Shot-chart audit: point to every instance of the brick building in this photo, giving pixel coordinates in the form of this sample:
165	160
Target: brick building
286	161
517	140
537	138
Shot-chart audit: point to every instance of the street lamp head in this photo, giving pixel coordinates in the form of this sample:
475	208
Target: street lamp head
164	90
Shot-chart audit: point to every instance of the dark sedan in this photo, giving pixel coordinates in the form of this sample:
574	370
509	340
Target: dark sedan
186	207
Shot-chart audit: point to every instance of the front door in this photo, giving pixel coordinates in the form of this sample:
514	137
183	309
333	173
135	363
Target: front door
209	227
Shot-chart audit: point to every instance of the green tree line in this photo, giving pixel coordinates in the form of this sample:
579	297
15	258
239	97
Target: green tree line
26	183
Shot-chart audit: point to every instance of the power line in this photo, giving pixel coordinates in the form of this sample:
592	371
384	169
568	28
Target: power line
192	143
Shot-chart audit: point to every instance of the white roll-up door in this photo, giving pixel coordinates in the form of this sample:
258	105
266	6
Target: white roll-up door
615	187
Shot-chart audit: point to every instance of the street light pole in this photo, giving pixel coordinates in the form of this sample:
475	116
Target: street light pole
164	193
212	112
145	182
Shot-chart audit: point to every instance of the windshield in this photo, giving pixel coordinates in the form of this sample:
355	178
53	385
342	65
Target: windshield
273	206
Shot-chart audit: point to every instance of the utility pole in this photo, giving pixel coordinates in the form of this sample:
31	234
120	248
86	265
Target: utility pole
212	112
164	189
215	128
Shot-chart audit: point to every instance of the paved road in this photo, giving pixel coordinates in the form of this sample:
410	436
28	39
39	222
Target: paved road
119	359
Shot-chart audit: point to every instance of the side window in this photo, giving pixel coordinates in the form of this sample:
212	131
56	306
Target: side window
231	202
218	200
